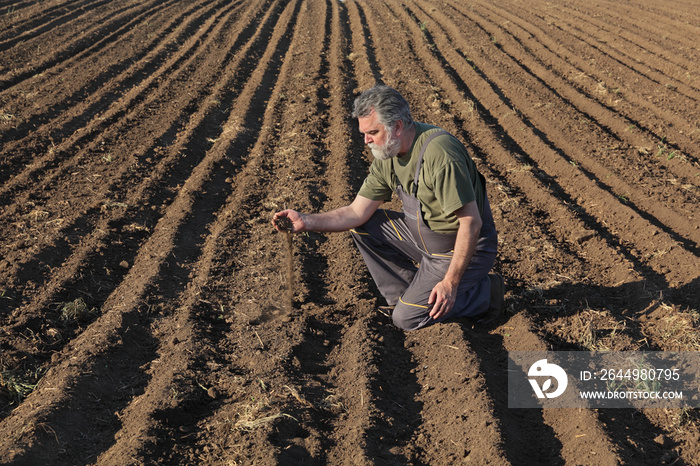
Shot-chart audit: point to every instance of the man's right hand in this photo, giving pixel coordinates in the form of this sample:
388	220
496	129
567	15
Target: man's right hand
297	221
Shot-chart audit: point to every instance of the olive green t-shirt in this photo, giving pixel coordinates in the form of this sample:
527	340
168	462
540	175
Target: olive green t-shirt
448	178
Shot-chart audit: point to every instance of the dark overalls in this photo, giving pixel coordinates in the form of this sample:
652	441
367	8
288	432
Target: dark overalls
407	259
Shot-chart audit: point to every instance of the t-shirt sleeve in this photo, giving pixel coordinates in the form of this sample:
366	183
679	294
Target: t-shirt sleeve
452	185
375	186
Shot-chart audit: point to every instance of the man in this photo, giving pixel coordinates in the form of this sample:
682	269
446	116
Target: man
431	262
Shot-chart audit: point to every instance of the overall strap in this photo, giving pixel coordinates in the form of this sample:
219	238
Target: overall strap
419	163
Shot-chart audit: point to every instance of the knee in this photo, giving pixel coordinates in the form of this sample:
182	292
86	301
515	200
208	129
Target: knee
406	318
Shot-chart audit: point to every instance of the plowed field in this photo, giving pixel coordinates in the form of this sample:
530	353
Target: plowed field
145	312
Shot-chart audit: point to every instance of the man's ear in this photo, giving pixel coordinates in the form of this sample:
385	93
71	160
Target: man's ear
399	128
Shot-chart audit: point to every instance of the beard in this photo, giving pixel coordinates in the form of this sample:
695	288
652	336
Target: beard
389	149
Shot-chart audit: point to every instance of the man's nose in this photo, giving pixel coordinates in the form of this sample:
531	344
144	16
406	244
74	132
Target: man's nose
368	139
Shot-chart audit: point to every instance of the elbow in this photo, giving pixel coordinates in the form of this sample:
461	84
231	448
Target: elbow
361	210
469	219
365	218
475	227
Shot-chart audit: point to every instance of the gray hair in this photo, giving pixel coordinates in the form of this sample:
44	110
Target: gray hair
387	102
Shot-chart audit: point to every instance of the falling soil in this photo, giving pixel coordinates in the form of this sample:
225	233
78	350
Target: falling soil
144	146
284	224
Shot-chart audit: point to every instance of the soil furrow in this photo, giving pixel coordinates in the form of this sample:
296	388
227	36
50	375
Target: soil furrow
111	230
548	156
527	169
139	101
449	428
59	115
349	435
686	11
344	174
650	446
480	132
260	309
622	106
541	247
560	423
510	428
327	350
654	90
384	418
167	168
364	50
215	189
673	81
144	269
464	444
24	15
554	119
632	36
312	351
565	436
142	158
47	22
296	150
12	8
356	368
119	194
665	30
75	46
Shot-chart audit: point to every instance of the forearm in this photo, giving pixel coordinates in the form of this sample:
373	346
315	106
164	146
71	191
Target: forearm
465	245
341	219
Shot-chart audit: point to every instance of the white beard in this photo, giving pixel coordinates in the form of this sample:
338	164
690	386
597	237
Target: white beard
388	150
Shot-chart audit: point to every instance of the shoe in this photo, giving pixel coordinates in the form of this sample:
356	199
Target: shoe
496	305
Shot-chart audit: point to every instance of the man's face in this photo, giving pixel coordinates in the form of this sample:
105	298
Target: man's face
383	141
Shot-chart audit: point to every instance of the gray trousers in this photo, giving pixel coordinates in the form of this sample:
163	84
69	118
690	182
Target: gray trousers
406	274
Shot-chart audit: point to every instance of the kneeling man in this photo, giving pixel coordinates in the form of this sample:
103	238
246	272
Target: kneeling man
431	261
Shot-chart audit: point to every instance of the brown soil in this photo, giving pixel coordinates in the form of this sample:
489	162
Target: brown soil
145	146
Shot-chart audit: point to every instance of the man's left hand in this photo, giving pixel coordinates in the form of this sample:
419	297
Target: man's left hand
442	299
